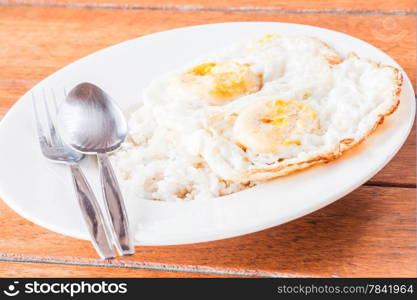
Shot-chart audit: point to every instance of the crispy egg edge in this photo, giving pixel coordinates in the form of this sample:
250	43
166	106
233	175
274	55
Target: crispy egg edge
343	145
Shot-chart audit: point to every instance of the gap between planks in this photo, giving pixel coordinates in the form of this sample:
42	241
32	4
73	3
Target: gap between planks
191	8
149	266
391	185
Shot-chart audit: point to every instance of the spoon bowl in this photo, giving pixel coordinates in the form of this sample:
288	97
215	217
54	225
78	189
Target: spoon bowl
90	122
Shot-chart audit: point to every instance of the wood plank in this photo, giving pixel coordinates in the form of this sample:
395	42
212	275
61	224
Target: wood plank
47	270
11	91
371	232
34	46
261	5
400	171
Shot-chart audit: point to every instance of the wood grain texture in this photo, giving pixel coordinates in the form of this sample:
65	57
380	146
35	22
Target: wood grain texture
47	270
34	46
261	5
370	232
11	91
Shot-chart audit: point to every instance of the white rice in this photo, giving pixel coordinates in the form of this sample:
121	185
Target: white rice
155	162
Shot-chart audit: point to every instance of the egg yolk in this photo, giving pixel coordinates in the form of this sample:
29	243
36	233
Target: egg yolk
203	69
272	126
267	38
220	82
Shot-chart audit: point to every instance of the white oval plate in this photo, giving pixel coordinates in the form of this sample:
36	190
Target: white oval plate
42	192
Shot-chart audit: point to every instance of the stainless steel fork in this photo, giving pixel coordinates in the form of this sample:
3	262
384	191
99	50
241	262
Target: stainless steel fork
56	151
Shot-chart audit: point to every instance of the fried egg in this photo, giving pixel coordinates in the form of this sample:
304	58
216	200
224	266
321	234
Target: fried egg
241	70
287	127
256	110
219	82
272	125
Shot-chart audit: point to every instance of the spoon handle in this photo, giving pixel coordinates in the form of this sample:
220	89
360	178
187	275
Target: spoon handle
93	217
115	207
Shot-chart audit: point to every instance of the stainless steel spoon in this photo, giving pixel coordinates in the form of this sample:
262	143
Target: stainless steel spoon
91	123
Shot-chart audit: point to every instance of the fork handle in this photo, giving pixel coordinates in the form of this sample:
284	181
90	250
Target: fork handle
115	207
92	214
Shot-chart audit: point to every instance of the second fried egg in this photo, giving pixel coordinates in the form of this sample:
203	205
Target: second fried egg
292	124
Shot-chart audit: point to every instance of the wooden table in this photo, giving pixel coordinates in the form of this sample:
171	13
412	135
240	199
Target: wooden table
371	232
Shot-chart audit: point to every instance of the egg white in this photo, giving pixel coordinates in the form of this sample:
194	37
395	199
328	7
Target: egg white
351	100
